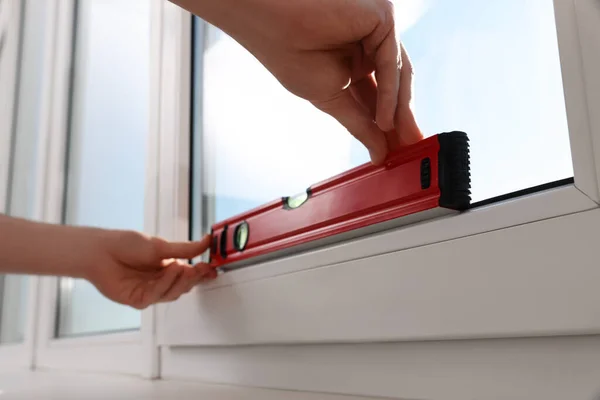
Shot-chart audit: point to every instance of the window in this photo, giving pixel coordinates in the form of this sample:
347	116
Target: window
92	167
13	308
107	146
489	68
517	76
156	137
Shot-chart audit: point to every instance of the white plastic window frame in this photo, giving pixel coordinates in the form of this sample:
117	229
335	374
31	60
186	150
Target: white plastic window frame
124	352
12	355
389	287
10	21
518	277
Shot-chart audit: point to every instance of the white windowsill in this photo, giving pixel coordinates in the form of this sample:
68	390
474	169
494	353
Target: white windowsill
522	210
68	386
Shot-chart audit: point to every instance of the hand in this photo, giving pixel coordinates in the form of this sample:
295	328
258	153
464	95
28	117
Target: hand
137	270
326	52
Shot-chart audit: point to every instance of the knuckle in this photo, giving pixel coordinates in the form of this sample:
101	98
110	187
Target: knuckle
384	16
136	240
156	246
388	12
131	236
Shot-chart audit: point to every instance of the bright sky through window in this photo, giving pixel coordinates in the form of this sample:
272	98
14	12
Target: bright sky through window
490	68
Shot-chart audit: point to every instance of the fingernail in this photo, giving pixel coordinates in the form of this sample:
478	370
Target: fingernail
376	158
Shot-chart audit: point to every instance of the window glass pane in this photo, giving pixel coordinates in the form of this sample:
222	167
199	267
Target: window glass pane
490	68
13	306
21	194
107	148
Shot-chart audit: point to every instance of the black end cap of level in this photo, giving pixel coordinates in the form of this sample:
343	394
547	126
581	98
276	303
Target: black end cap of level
454	170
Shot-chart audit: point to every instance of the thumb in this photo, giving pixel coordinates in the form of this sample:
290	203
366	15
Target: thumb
182	250
359	123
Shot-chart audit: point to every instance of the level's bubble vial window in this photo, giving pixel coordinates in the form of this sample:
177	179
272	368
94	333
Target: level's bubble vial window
240	236
296	200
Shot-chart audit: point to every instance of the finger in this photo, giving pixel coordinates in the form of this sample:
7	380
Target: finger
183	284
406	79
167	280
205	271
387	73
356	119
188	280
183	250
407	131
364	92
211	275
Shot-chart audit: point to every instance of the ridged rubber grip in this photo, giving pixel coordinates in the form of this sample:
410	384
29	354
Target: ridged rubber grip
454	170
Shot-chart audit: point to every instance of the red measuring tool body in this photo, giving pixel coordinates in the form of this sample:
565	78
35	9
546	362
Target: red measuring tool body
421	181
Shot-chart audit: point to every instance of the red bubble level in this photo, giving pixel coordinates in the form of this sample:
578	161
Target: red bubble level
423	181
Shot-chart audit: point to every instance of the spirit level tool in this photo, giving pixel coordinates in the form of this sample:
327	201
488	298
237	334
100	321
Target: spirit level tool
422	181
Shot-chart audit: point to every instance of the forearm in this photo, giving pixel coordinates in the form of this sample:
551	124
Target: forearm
28	247
240	19
213	11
